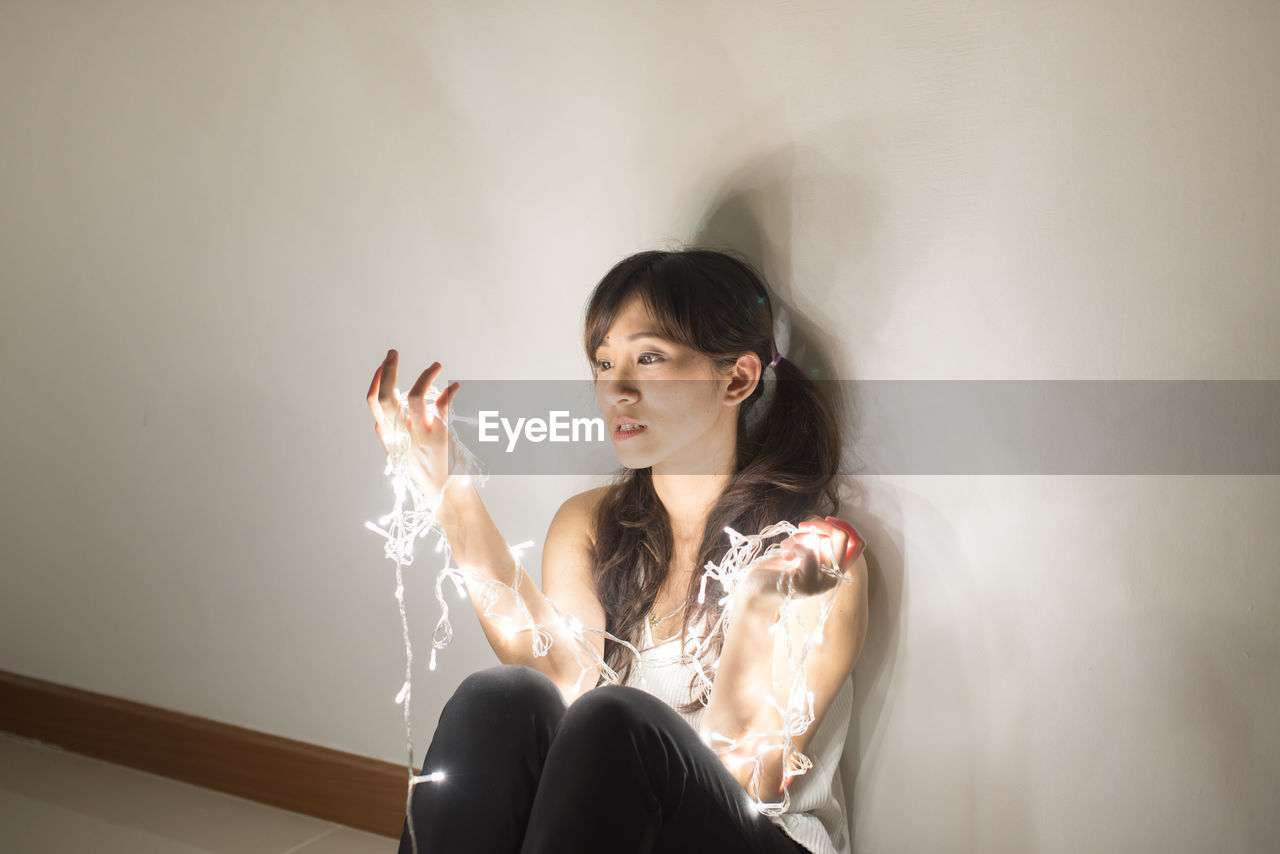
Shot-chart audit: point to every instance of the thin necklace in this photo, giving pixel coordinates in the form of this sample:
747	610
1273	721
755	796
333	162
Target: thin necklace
654	622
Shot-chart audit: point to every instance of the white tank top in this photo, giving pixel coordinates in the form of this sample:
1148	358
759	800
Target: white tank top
816	816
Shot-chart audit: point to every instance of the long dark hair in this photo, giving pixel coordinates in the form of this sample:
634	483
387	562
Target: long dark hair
785	467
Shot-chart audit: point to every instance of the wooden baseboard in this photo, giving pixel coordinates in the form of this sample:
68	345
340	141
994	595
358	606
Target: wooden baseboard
344	788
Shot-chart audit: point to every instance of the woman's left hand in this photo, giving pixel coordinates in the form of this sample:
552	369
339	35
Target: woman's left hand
812	559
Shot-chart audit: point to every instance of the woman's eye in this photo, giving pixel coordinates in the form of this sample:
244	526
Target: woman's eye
602	365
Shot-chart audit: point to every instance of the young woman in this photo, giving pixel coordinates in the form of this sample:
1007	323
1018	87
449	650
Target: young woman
531	756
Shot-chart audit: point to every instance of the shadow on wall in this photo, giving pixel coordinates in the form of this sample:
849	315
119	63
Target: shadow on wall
808	225
805	224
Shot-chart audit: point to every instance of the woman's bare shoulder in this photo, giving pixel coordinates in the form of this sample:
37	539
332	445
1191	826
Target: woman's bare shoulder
577	515
567	552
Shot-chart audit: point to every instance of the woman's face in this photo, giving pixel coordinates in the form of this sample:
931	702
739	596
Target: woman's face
688	425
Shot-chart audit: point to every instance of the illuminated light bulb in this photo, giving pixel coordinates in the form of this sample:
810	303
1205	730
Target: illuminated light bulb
811	542
435	777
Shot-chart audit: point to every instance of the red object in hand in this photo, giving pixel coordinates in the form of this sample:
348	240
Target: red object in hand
853	548
856	543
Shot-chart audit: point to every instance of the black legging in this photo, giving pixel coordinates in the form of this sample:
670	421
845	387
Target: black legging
617	772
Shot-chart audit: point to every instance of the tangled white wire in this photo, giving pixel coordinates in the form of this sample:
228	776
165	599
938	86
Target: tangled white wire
404	525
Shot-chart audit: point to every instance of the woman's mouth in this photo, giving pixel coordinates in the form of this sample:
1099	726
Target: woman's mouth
628	431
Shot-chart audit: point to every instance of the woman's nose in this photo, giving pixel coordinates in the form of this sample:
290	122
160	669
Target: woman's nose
619	390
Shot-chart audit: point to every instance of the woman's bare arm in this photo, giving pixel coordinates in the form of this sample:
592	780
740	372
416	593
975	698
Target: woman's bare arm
512	610
754	665
481	551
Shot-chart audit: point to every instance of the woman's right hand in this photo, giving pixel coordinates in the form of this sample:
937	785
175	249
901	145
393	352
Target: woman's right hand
809	558
427	456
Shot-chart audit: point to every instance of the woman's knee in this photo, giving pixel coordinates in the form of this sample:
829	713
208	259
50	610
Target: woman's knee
507	689
615	728
613	709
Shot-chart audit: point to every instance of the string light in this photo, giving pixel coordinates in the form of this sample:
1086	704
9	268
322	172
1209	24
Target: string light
413	517
401	528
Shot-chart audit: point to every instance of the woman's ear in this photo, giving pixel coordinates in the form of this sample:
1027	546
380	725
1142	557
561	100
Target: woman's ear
745	374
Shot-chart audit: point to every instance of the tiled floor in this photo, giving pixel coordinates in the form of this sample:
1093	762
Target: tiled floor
52	801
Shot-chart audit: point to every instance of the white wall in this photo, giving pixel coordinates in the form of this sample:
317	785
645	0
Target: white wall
217	217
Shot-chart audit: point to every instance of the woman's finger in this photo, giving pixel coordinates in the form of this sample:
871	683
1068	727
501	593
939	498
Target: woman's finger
838	542
419	391
808	547
445	401
826	553
418	397
373	396
387	383
811	531
373	386
808	574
